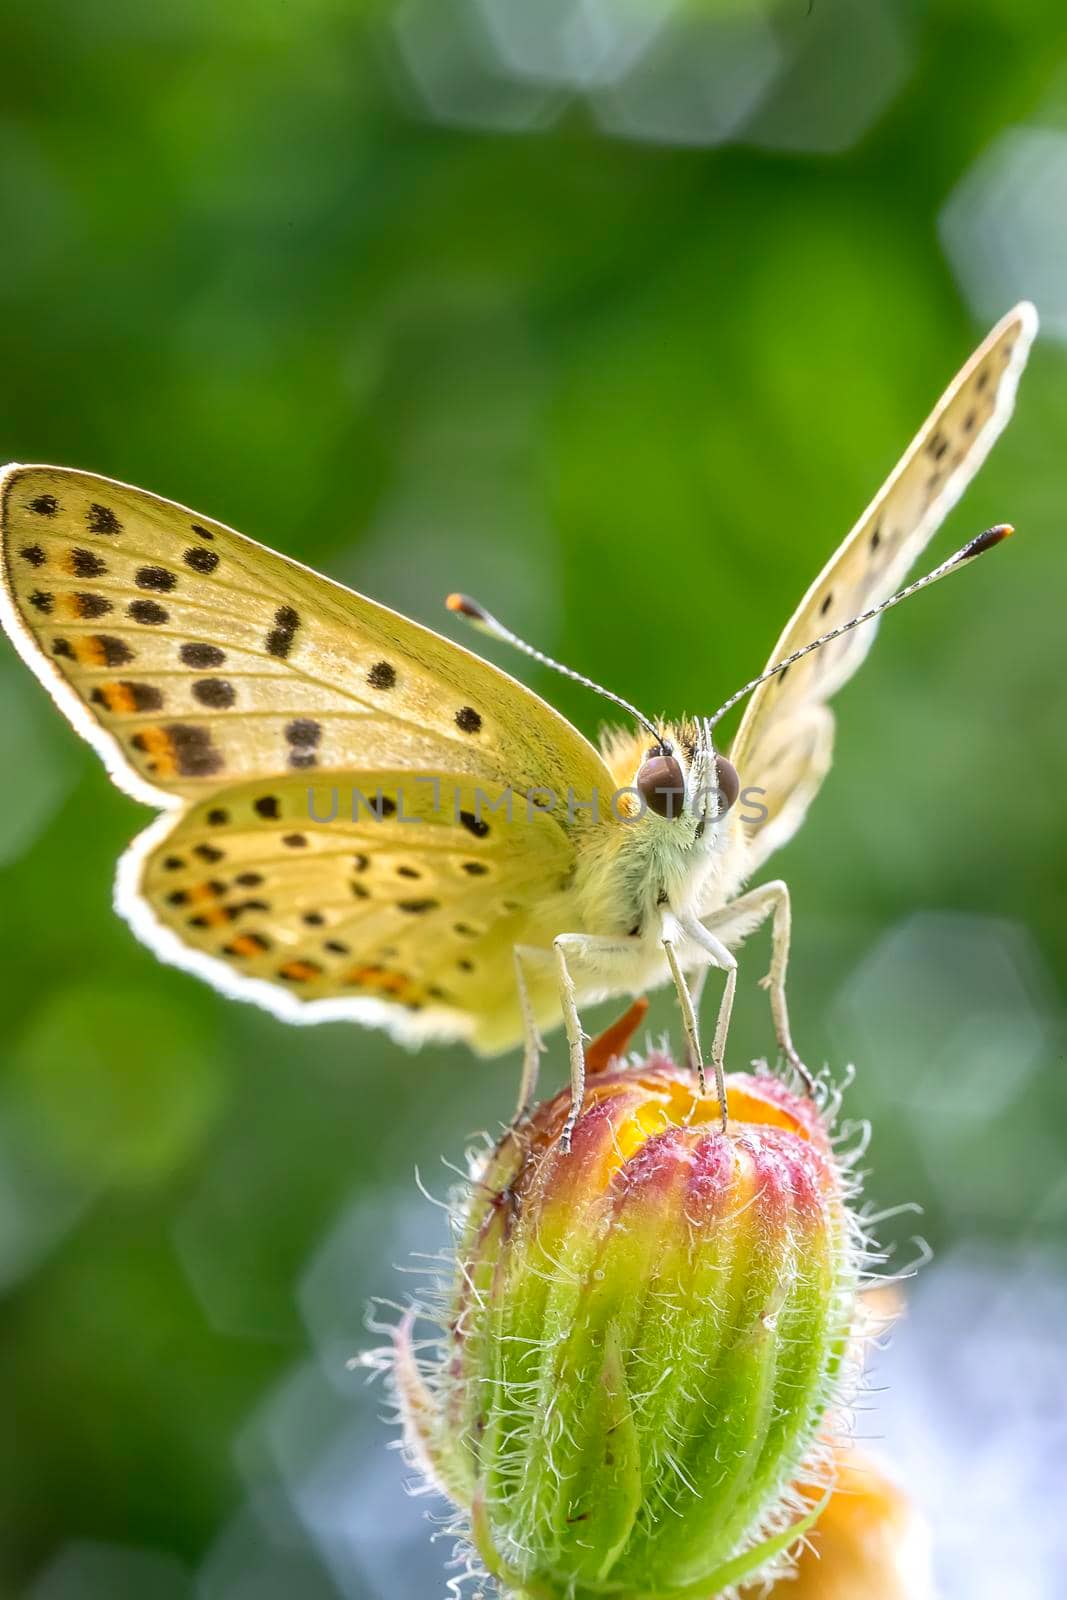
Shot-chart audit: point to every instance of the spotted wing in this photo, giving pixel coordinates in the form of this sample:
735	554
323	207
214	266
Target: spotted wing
192	657
783	745
378	895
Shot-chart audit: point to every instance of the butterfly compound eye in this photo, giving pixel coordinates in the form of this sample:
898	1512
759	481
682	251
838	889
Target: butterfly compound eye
662	787
728	783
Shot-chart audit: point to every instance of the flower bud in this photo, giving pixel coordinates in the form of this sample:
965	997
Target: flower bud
641	1338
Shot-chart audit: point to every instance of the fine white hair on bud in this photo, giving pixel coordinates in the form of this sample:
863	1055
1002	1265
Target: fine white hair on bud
638	1354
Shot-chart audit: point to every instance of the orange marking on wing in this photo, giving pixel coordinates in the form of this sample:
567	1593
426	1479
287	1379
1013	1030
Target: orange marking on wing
244	945
300	971
205	891
118	697
89	652
213	917
394	983
72	605
157	744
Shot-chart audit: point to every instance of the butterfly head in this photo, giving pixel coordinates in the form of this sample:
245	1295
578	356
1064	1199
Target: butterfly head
685	781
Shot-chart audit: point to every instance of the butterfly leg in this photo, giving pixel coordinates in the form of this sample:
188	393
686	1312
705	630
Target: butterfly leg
583	949
694	1059
726	962
752	909
688	1002
534	1044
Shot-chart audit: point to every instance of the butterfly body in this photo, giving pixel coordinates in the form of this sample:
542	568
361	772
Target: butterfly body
363	820
638	875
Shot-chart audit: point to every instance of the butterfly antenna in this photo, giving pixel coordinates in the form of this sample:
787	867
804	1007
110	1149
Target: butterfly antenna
977	547
464	606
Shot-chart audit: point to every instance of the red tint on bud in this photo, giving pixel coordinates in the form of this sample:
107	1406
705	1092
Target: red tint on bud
641	1339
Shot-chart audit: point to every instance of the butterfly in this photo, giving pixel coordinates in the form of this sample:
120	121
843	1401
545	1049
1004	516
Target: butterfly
362	819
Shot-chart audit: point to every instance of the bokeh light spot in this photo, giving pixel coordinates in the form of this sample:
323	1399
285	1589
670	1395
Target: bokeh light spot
699	81
120	1084
1004	227
972	1411
84	1570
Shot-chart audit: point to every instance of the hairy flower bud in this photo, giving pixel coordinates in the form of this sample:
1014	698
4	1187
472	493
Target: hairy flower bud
640	1340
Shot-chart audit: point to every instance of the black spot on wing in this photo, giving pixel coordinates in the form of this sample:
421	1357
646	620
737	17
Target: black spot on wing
91	605
145	696
217	817
147	612
86	564
468	720
115	652
382	675
33	554
196	754
215	693
381	806
44	505
209	853
417	907
476	825
42	601
279	640
267	806
302	735
202	532
201	560
201	655
294	841
157	579
101	519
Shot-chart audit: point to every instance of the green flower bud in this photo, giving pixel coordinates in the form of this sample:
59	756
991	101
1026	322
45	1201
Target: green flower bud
640	1340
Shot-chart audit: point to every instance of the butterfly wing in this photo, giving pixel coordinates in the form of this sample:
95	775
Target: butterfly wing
192	657
784	743
385	896
221	680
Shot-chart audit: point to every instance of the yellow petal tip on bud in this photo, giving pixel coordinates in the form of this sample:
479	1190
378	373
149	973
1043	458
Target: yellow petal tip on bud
638	1343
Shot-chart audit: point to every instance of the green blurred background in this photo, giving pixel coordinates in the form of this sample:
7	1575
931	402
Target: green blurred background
614	314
